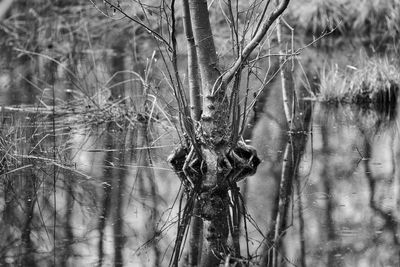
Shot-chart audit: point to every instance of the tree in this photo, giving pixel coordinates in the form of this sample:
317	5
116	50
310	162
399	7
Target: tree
213	156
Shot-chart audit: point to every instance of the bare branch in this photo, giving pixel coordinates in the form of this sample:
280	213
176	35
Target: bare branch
149	30
193	68
4	7
227	77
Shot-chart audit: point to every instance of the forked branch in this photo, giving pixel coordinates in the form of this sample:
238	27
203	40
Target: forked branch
255	41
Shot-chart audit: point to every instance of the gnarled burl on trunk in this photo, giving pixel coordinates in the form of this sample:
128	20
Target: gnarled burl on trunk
214	158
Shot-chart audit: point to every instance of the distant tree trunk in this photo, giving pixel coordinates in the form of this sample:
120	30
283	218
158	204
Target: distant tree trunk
146	177
117	62
302	239
119	183
69	180
293	153
107	190
28	255
30	186
298	116
332	238
69	235
391	223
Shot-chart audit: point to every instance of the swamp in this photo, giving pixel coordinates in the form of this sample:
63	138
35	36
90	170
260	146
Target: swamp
199	133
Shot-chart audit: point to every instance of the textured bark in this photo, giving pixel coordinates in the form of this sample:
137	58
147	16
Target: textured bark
215	107
214	133
215	160
216	225
214	208
196	231
196	224
207	57
193	67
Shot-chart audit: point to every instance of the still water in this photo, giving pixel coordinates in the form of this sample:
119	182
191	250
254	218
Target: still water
88	120
77	190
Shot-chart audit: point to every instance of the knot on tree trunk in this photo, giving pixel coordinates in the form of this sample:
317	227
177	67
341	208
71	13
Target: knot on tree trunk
214	204
213	169
209	173
244	161
215	124
214	208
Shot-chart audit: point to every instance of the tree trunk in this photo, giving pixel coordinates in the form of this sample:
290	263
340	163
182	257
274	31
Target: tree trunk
196	225
212	162
120	184
214	207
298	116
213	120
331	235
193	67
107	191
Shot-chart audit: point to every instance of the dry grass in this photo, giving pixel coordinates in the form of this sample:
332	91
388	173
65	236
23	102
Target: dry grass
375	22
377	74
316	16
333	84
376	81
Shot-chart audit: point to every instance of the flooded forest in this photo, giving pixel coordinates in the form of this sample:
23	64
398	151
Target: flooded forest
199	133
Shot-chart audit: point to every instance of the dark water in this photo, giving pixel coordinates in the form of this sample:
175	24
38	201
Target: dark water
346	200
77	191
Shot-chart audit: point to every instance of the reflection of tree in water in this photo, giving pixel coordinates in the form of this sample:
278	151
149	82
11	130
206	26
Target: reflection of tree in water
145	180
390	222
27	200
333	246
298	115
114	175
30	186
293	153
356	219
68	249
30	211
107	187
